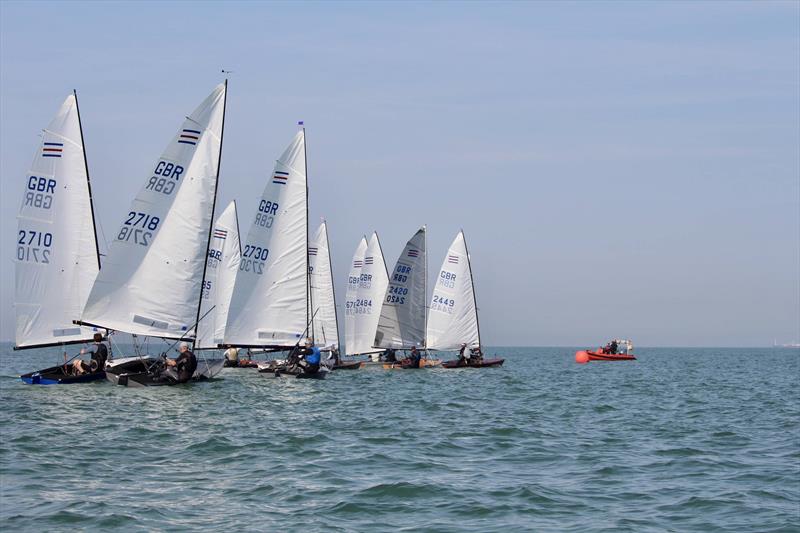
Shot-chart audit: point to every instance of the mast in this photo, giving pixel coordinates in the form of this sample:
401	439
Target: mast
333	292
88	181
472	280
213	209
309	292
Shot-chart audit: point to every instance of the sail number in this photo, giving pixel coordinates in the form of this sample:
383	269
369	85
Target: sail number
266	213
447	279
40	192
396	295
253	258
361	306
33	246
166	175
206	290
392	299
138	227
442	304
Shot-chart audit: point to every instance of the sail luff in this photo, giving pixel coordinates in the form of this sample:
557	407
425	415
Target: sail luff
88	180
474	296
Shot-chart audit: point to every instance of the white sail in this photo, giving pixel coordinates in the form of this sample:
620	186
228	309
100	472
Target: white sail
151	280
353	280
325	326
369	297
269	306
56	248
402	322
453	317
223	258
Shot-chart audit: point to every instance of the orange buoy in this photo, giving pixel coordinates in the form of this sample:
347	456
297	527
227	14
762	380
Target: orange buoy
582	357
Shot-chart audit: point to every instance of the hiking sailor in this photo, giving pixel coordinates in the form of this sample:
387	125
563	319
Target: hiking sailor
309	358
181	369
232	356
98	361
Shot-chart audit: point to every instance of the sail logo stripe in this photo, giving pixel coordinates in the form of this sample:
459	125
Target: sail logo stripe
358	264
189	137
312	251
413	253
452	259
220	234
368	260
279	177
52	149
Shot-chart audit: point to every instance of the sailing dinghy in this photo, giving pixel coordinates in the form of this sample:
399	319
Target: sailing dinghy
57	257
272	299
453	319
403	313
156	266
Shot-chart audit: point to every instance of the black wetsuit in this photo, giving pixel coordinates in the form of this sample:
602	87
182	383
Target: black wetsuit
98	361
414	360
186	364
390	356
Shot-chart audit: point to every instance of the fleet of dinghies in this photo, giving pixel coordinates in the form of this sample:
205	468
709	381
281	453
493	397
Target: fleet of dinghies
173	272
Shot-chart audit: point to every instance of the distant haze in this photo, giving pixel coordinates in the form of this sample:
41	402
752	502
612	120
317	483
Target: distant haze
620	169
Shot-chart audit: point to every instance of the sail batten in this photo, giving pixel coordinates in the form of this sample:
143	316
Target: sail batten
155	264
453	315
56	251
269	305
402	320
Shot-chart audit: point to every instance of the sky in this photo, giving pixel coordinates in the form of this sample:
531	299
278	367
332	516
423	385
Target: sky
622	169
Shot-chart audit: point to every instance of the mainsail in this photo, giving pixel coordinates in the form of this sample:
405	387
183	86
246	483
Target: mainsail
325	327
152	280
353	281
56	257
371	290
223	264
453	317
269	306
402	321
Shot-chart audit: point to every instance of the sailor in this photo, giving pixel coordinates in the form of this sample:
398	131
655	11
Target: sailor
475	355
390	356
232	356
414	358
97	362
309	358
462	357
613	347
181	369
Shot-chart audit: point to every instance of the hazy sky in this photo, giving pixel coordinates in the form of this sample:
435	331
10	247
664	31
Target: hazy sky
620	169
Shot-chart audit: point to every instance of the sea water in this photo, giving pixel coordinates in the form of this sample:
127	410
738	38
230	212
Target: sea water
681	440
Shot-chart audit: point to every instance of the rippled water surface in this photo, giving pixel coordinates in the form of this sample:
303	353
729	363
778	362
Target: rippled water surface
683	439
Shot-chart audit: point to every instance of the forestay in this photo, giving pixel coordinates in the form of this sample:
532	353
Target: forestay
151	280
453	317
369	297
325	326
402	319
353	280
269	306
222	264
56	251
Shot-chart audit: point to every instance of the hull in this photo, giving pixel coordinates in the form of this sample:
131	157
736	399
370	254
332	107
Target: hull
486	363
243	363
277	371
138	371
596	356
348	365
56	375
584	356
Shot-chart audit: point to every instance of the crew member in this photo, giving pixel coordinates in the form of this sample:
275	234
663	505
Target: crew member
414	358
309	358
614	347
98	361
232	356
390	356
181	369
475	355
462	356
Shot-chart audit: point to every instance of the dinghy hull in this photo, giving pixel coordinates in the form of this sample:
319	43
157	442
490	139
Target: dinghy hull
57	376
597	356
486	363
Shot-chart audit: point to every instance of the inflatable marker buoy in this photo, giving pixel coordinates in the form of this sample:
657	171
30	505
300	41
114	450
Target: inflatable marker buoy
582	357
